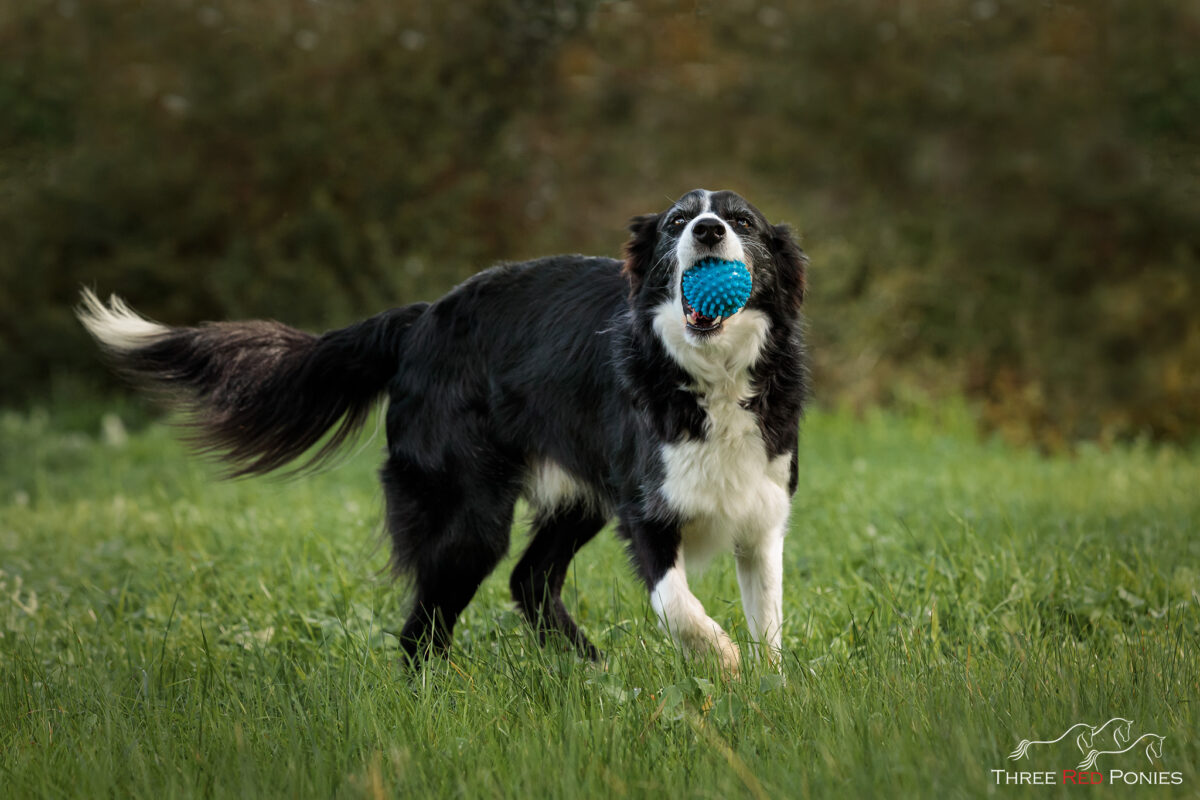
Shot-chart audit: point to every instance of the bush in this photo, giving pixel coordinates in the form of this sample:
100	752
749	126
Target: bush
999	197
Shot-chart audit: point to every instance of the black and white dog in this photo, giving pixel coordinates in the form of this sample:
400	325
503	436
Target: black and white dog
585	385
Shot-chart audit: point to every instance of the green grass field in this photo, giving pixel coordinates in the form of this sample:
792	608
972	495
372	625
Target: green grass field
164	634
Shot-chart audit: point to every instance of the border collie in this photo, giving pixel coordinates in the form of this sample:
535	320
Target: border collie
585	385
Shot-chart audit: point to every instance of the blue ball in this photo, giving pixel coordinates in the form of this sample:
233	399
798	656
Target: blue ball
717	288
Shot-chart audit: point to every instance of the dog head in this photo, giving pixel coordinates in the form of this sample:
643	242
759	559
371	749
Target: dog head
721	225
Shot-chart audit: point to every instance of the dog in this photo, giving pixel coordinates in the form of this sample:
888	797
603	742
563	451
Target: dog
586	385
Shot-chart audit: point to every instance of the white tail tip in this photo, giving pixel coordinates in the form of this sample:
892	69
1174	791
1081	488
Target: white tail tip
116	326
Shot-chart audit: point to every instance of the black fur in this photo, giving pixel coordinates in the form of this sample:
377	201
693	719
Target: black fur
555	360
261	393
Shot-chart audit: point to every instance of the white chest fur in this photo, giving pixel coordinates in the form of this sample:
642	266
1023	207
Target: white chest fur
725	487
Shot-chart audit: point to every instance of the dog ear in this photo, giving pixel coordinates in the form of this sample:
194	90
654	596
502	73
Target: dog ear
639	250
790	263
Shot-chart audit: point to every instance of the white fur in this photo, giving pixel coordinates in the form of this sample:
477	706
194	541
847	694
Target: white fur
683	616
116	325
760	577
549	486
733	497
721	360
725	485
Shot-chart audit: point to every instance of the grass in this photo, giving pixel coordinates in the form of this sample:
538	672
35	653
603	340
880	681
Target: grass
163	634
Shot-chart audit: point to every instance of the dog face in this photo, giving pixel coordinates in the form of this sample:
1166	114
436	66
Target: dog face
721	225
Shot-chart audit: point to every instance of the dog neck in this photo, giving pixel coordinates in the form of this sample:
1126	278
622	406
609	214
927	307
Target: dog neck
718	364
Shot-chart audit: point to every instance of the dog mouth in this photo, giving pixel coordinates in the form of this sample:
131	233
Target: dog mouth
699	324
712	290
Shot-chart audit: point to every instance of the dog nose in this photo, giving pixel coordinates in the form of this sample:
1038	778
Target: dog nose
709	231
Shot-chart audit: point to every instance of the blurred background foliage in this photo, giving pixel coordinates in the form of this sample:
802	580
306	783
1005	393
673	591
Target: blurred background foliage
1001	198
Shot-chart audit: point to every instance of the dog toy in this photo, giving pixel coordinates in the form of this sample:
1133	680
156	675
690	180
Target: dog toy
715	288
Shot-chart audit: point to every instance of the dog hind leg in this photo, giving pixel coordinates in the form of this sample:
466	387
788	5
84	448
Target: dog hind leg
448	532
537	580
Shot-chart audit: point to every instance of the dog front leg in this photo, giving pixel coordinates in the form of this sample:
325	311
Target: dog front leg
682	614
659	551
760	577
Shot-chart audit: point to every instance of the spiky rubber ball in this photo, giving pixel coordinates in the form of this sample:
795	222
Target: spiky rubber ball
714	287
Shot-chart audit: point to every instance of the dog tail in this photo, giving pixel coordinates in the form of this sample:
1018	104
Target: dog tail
258	394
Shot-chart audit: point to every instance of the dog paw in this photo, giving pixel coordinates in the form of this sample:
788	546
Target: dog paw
729	657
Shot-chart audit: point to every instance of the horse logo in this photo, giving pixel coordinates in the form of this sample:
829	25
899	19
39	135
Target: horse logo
1085	739
1153	750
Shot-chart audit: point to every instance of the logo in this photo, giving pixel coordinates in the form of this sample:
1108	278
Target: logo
1094	742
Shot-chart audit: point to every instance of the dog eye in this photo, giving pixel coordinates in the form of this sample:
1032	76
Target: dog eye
744	222
677	220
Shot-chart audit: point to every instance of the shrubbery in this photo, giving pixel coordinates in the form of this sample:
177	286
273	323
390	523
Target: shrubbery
999	197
